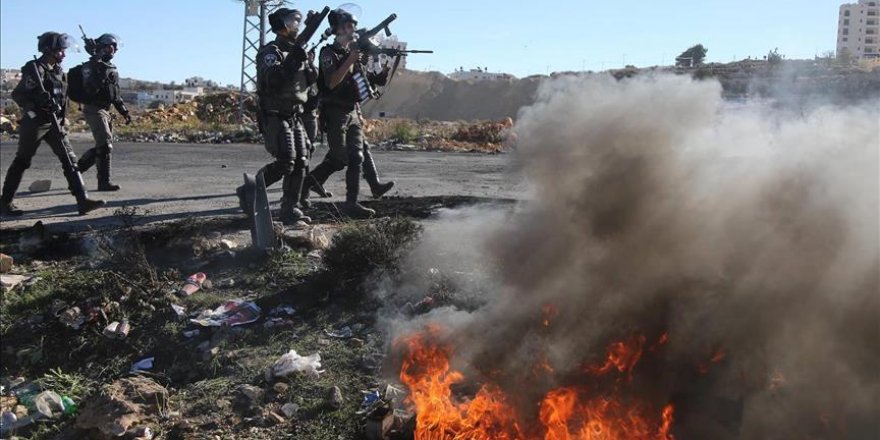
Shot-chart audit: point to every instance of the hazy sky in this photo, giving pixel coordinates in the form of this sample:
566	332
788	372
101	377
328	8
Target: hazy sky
173	39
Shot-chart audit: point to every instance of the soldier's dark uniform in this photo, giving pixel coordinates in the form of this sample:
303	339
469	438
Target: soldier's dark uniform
342	121
36	126
283	80
101	90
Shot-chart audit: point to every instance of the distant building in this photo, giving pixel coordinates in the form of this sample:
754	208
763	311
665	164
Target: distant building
169	97
10	75
478	74
198	81
858	29
384	60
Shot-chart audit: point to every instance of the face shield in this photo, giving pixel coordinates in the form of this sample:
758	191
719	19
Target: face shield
292	22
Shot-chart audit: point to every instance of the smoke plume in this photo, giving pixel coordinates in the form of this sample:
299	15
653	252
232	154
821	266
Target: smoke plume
748	236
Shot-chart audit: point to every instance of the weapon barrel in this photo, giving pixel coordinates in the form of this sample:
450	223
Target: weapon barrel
312	24
384	24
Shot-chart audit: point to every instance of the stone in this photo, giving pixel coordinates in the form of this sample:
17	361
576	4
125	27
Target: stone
6	263
334	398
122	405
252	395
39	186
280	388
289	409
11	282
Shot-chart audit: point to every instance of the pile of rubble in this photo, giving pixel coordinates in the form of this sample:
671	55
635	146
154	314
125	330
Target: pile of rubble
220	108
405	134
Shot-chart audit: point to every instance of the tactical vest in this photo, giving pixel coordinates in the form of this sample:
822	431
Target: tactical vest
101	83
54	82
284	97
346	93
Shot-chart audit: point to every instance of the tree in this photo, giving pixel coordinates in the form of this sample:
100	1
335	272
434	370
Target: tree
774	57
694	56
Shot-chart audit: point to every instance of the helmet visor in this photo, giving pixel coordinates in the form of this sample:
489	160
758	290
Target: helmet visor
292	21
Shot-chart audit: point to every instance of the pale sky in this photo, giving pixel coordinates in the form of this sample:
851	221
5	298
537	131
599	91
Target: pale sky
169	40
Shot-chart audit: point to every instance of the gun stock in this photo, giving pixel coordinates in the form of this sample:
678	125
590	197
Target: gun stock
311	26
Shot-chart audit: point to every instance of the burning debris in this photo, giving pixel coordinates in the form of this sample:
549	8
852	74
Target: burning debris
685	271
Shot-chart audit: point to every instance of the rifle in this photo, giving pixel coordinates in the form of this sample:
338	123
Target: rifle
89	42
374	50
312	22
369	47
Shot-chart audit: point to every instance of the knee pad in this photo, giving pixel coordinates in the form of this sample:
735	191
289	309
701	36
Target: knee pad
301	163
104	149
355	158
287	166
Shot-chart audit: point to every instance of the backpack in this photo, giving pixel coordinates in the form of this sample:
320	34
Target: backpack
76	88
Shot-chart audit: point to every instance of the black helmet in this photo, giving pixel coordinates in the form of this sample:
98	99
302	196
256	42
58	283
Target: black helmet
339	17
285	18
107	40
50	41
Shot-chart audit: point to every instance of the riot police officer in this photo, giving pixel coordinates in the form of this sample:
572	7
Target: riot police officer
100	84
283	81
42	94
340	69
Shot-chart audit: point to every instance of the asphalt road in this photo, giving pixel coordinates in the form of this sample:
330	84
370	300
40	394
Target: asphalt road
169	181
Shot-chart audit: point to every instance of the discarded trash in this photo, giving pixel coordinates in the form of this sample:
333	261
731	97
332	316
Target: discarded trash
179	311
343	333
142	365
291	362
10	282
228	244
191	333
370	398
117	330
231	313
8	418
40	186
72	318
69	405
419	308
48	405
280	316
5	263
192	284
282	311
289	409
229	282
142	433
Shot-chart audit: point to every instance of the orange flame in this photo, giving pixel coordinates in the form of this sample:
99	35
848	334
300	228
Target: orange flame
549	311
565	413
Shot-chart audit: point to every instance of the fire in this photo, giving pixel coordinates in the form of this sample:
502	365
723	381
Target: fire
578	412
549	311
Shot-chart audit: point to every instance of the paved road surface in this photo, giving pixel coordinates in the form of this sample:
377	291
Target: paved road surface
175	180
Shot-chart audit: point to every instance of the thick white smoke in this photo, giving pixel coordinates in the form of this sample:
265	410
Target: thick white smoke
659	207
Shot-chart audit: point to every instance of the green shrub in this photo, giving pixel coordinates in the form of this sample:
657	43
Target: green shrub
362	249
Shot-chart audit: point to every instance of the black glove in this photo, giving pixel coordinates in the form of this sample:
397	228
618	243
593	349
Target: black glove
44	101
297	55
127	117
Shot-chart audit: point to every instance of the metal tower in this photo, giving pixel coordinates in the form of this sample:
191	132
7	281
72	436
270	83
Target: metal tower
254	37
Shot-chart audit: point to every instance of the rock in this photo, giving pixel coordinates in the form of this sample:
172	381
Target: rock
207	284
5	263
48	405
11	282
334	398
289	409
251	393
280	388
8	418
228	244
40	186
122	405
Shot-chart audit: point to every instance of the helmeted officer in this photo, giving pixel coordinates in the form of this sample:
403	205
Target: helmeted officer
101	91
39	104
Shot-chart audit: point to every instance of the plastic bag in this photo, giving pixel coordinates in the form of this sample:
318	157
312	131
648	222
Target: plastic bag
291	362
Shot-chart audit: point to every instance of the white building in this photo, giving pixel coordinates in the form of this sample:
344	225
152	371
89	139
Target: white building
10	75
478	74
169	97
858	29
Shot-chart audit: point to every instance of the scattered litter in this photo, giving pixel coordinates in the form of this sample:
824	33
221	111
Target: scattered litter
231	313
228	244
284	310
179	311
117	330
40	186
69	405
72	318
5	263
10	282
370	398
142	365
48	405
189	334
229	282
419	308
343	333
142	433
291	362
192	284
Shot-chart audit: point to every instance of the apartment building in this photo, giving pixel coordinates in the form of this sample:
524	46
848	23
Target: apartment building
858	29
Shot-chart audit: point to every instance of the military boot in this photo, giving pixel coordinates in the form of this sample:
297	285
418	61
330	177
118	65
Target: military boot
352	208
290	214
83	203
371	175
104	183
10	186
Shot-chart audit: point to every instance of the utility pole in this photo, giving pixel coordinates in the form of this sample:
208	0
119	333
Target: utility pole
256	13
